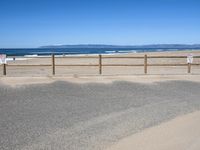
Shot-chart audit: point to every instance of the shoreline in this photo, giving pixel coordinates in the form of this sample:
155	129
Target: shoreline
13	58
27	57
118	52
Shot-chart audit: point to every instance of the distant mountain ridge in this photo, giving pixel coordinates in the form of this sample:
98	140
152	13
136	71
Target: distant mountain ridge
173	46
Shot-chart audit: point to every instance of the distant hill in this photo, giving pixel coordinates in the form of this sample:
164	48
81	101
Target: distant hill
172	46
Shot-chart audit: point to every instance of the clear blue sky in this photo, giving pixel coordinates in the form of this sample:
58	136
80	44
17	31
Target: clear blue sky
33	23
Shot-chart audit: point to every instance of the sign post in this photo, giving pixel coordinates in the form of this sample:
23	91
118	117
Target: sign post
3	61
189	62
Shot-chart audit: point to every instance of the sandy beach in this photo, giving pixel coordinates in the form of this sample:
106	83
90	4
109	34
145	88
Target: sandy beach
125	70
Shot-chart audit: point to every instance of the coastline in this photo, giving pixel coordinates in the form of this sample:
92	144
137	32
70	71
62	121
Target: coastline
104	51
123	53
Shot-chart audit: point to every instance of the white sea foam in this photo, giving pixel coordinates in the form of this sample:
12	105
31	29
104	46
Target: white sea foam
14	59
110	51
34	55
128	51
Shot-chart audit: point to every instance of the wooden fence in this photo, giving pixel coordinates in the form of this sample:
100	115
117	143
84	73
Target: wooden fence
100	64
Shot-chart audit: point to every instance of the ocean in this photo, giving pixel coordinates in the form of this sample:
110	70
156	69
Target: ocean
78	51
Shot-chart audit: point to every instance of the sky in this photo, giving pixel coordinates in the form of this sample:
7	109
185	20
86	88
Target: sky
34	23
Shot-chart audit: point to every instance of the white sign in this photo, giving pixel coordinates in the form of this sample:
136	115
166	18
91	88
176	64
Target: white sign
190	59
2	59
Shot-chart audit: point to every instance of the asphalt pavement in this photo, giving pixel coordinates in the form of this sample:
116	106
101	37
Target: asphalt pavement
92	116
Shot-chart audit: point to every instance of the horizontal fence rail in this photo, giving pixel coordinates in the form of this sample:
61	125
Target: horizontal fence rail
100	63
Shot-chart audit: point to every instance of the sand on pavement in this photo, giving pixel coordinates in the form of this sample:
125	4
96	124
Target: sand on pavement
17	81
181	133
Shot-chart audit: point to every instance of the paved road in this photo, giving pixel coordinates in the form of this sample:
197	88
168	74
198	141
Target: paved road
70	116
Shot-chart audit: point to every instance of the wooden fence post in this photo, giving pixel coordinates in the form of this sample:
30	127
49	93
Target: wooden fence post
145	64
4	69
189	67
100	64
53	64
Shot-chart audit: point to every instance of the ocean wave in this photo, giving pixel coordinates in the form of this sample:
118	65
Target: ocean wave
128	51
110	51
34	55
